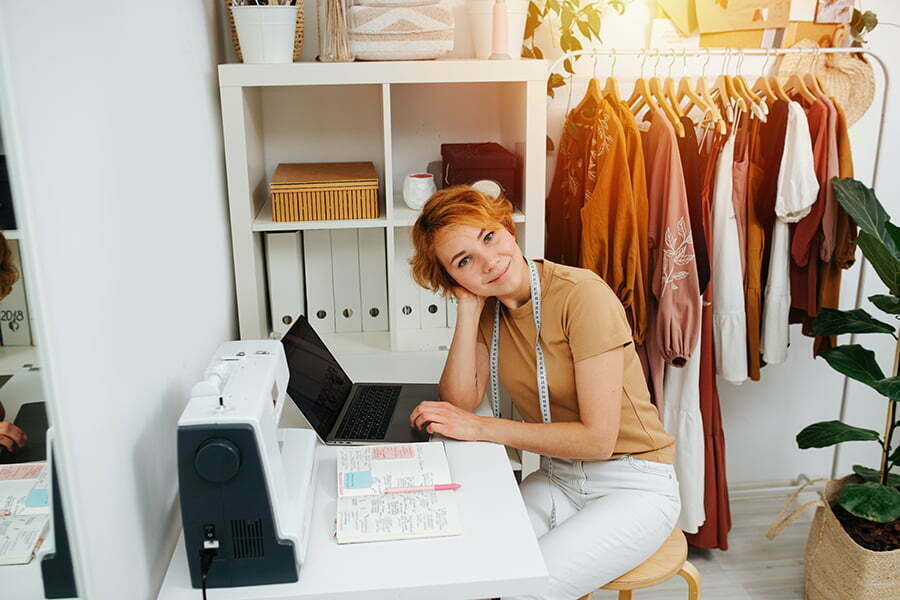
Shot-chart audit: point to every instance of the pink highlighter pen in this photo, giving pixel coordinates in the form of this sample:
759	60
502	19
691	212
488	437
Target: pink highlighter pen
423	488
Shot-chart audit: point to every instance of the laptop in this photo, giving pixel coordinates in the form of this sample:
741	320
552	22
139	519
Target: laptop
343	412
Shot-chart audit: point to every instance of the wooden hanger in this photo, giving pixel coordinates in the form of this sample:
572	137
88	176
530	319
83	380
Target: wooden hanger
611	89
703	92
641	95
657	90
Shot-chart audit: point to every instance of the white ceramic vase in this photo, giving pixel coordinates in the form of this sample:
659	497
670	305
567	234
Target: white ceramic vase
417	189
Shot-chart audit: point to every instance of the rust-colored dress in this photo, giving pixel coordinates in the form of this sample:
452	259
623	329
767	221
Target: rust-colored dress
806	236
844	254
689	150
714	532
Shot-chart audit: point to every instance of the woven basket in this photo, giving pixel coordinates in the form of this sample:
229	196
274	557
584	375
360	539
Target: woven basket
298	32
837	568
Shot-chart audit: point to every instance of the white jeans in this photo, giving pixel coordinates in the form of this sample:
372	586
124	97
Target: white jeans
610	516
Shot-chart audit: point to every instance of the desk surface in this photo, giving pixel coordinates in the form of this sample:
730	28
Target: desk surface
497	554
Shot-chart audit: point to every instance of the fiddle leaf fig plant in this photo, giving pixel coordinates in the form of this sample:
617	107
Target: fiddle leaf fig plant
877	498
565	18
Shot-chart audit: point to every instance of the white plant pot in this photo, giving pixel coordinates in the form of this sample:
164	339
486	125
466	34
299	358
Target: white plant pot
481	25
417	189
266	33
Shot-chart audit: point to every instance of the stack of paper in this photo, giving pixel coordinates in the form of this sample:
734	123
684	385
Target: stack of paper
24	510
367	511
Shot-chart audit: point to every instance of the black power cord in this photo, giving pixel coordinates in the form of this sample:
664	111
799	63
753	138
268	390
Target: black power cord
209	552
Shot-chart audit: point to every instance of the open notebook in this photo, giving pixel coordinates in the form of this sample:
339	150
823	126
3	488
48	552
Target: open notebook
24	510
365	513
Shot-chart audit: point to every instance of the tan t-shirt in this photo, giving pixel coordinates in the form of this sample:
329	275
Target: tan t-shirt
580	317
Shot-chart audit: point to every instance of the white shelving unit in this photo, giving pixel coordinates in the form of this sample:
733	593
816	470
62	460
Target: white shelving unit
395	114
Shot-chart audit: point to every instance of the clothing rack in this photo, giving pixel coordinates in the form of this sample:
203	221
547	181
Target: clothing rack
674	53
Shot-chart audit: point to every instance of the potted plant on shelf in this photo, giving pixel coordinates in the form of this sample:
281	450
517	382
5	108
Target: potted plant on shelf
566	19
853	551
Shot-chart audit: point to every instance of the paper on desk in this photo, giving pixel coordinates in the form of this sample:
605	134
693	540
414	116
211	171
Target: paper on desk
368	470
24	489
397	516
20	537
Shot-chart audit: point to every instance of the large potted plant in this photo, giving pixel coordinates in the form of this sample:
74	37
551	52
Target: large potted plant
853	551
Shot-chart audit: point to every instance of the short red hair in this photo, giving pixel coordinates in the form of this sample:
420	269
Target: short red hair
457	205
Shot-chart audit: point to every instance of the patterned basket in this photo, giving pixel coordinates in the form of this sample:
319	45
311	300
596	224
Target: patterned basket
298	32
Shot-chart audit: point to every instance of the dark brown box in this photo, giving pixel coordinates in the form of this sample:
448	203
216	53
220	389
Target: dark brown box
468	163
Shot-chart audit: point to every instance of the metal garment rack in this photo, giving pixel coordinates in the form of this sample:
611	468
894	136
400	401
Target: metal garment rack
674	53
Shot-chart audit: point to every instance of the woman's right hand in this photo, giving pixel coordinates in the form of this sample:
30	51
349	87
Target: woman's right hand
11	437
465	298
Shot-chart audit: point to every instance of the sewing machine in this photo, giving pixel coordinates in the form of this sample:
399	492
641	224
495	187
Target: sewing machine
245	485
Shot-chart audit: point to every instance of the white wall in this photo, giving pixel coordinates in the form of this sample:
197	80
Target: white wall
111	120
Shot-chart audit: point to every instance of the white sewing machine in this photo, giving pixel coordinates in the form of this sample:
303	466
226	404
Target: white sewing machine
246	486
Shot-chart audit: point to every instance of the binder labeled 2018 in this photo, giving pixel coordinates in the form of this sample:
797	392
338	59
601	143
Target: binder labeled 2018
318	274
433	309
407	290
284	261
15	325
373	279
345	277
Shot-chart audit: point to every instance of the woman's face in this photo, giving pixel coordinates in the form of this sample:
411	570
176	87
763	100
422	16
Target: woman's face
486	261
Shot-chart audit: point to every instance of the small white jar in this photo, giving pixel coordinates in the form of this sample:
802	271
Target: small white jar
417	189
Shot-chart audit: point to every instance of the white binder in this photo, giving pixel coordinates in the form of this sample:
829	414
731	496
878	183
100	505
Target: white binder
433	309
451	310
318	274
407	291
284	262
373	279
345	278
14	319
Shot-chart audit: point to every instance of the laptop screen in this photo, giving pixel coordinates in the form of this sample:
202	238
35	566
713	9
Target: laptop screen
318	385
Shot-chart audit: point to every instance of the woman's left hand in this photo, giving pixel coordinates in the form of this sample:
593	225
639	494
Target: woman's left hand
447	420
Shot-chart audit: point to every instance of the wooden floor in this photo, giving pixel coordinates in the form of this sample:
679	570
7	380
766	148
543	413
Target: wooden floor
753	568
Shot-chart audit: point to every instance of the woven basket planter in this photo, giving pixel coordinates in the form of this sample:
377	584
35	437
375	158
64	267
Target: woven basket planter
837	568
298	32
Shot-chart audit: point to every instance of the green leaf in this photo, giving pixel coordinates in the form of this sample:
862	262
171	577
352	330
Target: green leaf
864	208
872	475
855	362
576	45
871	501
552	5
584	29
837	322
527	53
883	261
531	24
889	387
889	304
538	53
567	65
829	433
566	18
594	22
533	11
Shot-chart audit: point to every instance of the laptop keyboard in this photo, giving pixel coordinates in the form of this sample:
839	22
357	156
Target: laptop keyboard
370	413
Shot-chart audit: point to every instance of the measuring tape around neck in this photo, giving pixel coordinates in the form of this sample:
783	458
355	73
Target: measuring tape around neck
541	370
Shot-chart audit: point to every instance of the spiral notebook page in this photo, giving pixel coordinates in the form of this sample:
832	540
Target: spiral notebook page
365	513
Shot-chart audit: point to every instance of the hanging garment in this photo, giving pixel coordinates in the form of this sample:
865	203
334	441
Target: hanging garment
637	170
829	216
714	531
682	420
740	171
572	181
675	304
806	235
610	246
845	238
797	191
689	151
729	319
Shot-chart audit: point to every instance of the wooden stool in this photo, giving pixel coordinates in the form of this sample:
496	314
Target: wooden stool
671	558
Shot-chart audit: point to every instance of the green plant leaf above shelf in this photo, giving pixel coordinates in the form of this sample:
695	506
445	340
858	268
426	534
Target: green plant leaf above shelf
855	362
886	265
829	433
889	304
871	501
837	322
872	475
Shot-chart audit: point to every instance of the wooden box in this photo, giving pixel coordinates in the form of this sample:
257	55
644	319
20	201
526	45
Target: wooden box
324	191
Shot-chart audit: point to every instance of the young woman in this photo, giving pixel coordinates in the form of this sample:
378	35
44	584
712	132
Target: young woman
11	437
606	496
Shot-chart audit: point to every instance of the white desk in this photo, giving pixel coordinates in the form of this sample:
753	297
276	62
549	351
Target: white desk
497	554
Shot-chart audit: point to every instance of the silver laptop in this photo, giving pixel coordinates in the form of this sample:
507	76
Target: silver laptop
341	411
